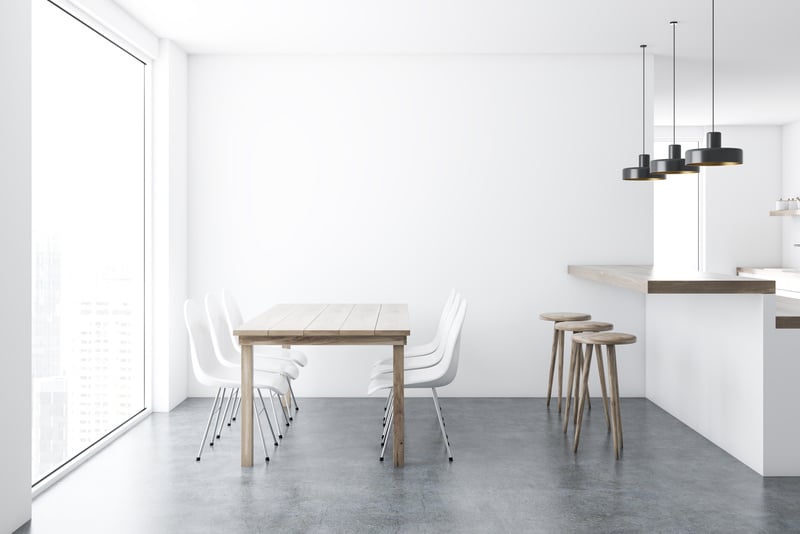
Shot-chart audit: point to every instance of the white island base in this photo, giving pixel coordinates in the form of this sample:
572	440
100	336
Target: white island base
717	362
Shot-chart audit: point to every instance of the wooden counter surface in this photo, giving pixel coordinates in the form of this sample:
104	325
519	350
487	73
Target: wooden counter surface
785	279
645	279
787	312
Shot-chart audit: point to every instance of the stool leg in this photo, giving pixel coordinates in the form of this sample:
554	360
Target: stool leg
552	364
587	364
560	367
602	372
612	401
613	350
588	396
577	379
570	381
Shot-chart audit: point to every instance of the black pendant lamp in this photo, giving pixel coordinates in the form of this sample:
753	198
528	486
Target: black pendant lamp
674	164
714	154
642	172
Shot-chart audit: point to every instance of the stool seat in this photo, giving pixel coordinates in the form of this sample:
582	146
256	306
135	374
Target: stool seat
604	338
584	326
564	316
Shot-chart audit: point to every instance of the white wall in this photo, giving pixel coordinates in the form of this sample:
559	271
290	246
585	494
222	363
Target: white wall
15	242
395	178
790	188
739	230
170	350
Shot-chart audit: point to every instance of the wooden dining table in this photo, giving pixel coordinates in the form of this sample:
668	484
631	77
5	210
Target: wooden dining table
326	324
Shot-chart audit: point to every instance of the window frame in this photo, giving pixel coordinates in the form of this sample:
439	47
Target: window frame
93	24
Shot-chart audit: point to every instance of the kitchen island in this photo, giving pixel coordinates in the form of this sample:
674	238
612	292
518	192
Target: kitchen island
723	356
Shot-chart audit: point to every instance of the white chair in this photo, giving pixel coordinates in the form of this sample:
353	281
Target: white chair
234	316
426	355
434	377
210	372
229	355
421	356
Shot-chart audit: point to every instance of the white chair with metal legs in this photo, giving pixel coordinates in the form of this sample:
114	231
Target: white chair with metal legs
421	356
234	317
229	356
210	372
434	377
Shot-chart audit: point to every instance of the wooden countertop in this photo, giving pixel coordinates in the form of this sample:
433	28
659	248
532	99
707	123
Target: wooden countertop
787	312
771	272
646	279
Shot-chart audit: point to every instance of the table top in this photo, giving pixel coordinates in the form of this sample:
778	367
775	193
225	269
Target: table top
329	320
646	279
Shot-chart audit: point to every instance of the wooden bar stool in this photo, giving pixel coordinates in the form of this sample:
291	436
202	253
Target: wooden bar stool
576	360
558	347
598	340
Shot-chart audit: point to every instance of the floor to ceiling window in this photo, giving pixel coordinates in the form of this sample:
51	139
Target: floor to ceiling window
89	258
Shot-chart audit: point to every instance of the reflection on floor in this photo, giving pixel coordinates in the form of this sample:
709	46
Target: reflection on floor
514	471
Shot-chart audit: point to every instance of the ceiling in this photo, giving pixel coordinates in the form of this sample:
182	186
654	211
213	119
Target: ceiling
758	75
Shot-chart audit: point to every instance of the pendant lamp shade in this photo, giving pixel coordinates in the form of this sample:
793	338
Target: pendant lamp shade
642	172
674	164
714	154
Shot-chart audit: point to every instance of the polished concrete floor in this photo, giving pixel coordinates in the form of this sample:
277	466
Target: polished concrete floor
514	471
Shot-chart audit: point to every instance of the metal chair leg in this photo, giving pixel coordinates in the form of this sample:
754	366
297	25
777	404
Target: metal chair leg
289	398
388	431
238	404
387	423
260	431
224	414
219	411
388	405
208	425
235	404
294	399
441	424
275	413
285	414
266	414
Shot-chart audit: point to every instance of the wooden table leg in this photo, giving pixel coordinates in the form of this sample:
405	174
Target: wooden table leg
247	406
398	428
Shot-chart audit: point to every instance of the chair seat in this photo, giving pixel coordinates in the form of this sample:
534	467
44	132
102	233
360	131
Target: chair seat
584	326
560	317
605	338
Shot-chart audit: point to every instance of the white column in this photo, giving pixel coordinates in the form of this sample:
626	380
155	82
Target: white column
15	244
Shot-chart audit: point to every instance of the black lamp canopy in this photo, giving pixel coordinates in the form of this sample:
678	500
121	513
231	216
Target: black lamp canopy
642	172
714	154
674	164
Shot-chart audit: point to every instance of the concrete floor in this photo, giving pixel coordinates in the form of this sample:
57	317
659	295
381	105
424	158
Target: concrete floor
514	471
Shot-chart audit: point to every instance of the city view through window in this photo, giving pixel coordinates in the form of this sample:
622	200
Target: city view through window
88	237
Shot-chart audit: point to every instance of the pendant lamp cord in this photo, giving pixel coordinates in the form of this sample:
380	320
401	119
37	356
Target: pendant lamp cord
643	107
674	23
712	65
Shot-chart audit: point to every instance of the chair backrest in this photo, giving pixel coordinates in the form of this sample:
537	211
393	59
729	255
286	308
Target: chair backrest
221	332
444	321
204	360
452	346
233	315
